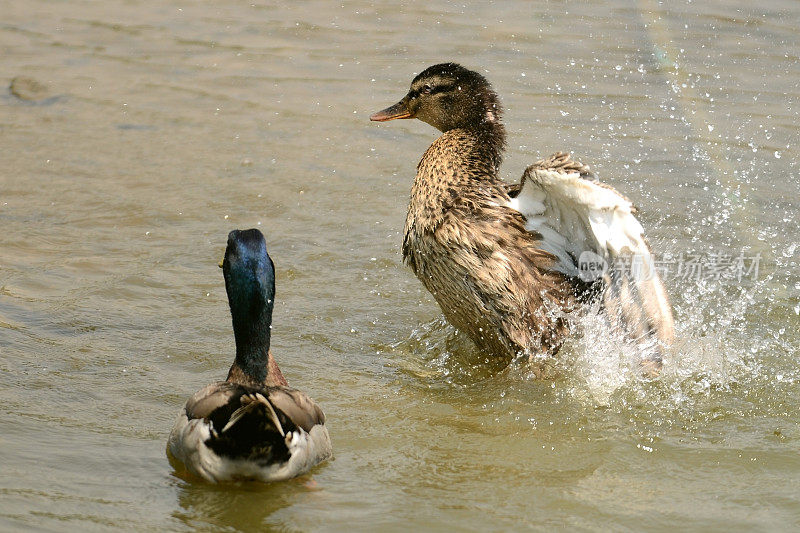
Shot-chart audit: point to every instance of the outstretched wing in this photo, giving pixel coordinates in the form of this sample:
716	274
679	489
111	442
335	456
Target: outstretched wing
592	231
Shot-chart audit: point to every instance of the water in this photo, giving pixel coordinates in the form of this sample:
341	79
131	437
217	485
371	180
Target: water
155	129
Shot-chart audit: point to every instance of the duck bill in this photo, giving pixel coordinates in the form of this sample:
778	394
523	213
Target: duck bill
398	110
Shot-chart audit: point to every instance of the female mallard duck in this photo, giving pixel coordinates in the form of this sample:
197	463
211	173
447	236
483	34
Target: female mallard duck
252	425
507	264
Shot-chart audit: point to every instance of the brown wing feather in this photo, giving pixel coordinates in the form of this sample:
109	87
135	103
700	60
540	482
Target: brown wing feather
210	398
562	162
298	406
295	404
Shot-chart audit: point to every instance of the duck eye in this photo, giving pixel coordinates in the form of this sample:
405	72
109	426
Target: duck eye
426	89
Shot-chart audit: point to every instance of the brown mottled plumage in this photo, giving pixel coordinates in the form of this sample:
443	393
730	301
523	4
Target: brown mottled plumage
463	239
473	253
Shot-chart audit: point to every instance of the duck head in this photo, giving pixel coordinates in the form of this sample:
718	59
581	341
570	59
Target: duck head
447	96
250	284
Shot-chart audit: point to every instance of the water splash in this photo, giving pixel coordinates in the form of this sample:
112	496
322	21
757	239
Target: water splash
715	353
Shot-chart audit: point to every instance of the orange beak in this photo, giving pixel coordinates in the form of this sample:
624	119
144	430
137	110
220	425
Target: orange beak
398	110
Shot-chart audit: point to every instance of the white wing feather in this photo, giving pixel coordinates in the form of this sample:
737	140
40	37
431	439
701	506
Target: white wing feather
592	231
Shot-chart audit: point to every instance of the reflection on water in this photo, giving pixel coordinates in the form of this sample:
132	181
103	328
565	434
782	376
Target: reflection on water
203	505
135	136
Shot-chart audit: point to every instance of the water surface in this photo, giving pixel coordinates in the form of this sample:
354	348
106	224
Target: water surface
156	128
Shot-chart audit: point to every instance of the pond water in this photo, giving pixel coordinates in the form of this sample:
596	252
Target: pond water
136	134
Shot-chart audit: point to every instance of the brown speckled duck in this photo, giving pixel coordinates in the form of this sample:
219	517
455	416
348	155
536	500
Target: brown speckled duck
509	265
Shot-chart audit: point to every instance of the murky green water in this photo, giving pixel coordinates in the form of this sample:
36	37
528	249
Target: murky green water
162	126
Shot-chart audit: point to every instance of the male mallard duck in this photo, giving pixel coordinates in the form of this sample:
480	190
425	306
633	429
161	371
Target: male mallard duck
507	264
252	425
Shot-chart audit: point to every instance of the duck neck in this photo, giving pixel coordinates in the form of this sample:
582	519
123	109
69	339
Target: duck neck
477	150
254	364
491	142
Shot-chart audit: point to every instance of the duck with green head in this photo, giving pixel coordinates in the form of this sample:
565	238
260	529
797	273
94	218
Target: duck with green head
252	425
508	264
